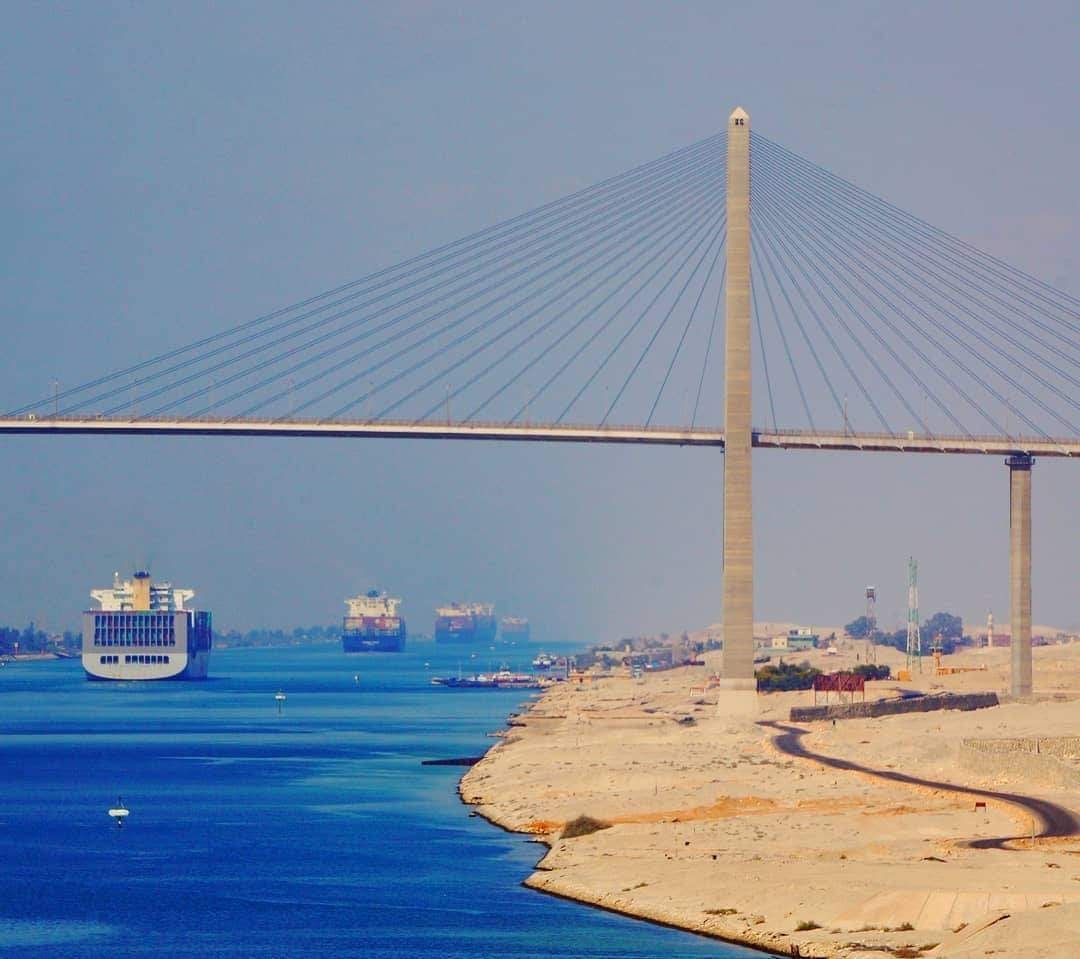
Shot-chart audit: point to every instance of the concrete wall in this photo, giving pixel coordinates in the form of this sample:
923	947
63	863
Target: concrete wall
1037	760
892	707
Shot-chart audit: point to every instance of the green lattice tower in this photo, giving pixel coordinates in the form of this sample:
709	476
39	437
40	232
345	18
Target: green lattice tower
914	639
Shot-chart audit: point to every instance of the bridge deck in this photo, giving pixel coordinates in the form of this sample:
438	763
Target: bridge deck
543	433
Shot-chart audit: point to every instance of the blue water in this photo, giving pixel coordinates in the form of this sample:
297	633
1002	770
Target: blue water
313	833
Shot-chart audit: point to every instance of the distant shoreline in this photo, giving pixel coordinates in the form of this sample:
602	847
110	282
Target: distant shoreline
33	657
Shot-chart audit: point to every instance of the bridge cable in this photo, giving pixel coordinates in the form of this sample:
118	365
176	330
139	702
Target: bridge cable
779	325
438	353
768	252
498	336
718	205
708	345
587	218
686	329
794	260
836	214
672	228
455	248
761	345
633	326
915	247
983	260
531	259
719	240
906	284
928	391
804	260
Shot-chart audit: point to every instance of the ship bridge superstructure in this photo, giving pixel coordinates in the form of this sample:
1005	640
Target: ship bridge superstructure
129	594
373	603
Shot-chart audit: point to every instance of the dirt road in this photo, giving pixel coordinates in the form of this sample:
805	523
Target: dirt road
1052	821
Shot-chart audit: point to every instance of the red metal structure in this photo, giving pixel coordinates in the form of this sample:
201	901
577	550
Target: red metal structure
840	683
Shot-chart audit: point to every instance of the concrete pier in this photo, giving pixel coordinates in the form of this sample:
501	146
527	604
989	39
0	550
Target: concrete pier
1020	570
738	598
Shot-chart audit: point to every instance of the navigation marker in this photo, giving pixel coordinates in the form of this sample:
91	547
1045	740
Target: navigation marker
119	813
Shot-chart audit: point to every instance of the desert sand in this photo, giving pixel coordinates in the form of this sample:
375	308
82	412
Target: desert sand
713	830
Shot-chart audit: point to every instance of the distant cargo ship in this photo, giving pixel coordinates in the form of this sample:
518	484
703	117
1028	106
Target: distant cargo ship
515	628
373	624
465	623
142	631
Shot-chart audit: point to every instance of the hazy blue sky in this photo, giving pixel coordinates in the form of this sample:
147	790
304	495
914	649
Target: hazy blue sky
168	170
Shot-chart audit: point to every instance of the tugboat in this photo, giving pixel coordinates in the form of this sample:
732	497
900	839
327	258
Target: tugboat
503	679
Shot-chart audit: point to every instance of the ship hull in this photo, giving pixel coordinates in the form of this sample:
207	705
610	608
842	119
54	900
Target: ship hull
373	635
465	629
363	643
146	667
454	634
146	645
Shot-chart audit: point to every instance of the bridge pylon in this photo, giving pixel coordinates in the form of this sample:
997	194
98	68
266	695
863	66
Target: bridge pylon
1020	571
738	692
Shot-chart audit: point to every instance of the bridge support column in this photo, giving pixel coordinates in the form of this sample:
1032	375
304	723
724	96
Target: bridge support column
738	691
1020	570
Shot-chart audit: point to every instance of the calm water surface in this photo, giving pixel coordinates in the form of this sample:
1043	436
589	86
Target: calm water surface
311	833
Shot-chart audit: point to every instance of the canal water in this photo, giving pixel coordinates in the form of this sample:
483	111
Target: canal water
310	833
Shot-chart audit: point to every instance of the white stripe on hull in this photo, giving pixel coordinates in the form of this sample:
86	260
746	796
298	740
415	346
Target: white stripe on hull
179	666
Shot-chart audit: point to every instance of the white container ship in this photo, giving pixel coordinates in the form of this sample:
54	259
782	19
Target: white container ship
142	631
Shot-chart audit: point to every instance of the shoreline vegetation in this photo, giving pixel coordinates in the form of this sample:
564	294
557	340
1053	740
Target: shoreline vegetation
652	803
32	643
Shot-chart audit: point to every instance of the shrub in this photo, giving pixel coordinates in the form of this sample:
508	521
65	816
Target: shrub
872	671
785	676
583	826
806	925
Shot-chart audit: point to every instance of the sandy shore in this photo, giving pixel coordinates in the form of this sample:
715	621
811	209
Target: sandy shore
716	831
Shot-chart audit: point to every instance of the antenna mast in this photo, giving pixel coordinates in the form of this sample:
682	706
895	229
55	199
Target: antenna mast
914	640
871	618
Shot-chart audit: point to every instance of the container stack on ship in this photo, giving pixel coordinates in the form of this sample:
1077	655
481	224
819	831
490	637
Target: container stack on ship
514	629
373	625
142	631
465	623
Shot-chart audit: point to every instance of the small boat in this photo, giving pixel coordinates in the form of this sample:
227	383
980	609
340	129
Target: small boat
503	679
119	813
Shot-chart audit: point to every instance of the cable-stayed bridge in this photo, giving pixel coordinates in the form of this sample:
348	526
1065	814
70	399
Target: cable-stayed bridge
642	310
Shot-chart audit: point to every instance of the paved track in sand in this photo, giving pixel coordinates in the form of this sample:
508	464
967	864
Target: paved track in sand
1053	821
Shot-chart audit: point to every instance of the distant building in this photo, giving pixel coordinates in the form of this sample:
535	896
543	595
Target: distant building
802	638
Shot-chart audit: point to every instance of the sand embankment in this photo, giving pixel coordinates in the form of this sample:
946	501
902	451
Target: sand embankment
715	831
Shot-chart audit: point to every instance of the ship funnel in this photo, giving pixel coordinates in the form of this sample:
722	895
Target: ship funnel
141	591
